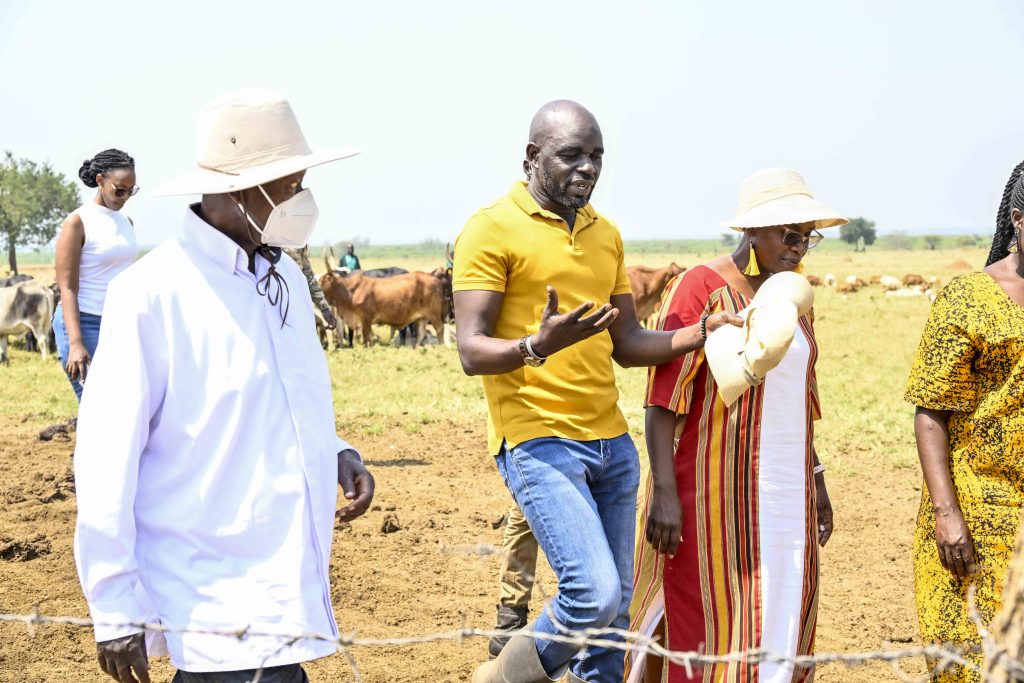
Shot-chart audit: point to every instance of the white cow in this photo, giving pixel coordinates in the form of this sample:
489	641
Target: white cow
890	283
25	307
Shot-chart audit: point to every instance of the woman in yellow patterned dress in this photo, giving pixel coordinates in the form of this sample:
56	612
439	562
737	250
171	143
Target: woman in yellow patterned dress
968	385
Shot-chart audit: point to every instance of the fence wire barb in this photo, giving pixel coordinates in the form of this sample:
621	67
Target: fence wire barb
632	642
942	657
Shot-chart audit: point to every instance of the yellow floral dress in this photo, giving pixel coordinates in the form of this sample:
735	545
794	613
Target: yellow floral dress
971	362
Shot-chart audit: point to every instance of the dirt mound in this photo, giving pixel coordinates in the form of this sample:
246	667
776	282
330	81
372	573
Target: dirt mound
959	264
62	429
390	524
23	549
47	488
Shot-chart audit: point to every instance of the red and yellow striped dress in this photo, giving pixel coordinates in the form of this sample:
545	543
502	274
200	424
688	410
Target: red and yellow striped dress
746	573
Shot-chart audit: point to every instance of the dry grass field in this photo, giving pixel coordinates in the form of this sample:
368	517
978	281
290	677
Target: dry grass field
420	424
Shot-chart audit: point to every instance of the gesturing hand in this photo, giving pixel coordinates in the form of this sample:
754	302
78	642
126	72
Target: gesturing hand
356	482
561	330
120	656
955	544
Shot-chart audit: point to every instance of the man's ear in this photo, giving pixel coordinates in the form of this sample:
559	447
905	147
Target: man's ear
532	152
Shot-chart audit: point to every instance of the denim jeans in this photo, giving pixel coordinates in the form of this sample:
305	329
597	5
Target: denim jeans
90	325
580	500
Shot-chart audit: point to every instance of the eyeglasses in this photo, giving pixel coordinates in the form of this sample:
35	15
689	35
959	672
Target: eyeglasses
121	192
791	238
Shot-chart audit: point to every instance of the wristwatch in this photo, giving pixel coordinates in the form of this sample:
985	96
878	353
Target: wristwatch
529	357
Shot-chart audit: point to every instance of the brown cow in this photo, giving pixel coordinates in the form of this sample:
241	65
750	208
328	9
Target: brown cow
910	279
647	285
396	301
814	280
445	276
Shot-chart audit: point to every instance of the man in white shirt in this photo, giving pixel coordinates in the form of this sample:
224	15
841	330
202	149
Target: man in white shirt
207	463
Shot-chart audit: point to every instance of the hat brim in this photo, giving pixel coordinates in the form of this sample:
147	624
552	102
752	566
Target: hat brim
723	351
204	181
790	210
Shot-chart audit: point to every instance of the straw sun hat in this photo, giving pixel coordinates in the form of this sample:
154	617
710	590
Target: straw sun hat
247	139
740	357
778	196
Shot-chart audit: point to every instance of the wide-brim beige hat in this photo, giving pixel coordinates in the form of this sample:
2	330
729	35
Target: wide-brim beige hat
741	357
247	139
779	196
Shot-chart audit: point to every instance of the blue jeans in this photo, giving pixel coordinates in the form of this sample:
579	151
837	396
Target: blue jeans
90	325
580	500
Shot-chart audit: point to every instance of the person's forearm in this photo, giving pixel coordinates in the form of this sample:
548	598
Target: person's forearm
660	427
72	321
642	348
932	431
483	355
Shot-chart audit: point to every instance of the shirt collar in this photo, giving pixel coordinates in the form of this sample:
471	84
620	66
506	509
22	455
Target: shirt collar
525	201
207	240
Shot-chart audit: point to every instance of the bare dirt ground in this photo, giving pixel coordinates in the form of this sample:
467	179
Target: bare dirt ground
443	494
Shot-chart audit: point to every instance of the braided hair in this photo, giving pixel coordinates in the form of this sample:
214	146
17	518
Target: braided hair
1013	198
107	160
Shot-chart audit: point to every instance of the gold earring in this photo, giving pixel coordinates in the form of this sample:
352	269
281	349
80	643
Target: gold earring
752	270
1013	246
799	267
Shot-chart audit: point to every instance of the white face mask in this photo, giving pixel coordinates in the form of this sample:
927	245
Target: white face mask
290	223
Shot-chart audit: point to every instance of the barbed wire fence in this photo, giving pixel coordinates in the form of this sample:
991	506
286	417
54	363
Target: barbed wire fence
940	657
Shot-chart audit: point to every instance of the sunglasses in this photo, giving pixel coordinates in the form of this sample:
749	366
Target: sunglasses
122	192
792	238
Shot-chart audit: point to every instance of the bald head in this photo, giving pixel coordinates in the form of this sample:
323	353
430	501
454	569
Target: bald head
563	157
560	116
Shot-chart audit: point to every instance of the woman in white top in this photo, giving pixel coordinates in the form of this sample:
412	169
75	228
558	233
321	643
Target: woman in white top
96	243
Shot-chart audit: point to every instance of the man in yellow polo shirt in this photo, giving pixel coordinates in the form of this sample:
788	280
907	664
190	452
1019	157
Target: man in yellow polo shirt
554	428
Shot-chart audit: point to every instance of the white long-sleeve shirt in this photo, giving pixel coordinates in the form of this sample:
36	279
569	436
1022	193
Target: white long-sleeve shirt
206	463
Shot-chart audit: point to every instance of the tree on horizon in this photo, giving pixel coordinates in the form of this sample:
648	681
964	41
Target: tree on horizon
859	232
34	200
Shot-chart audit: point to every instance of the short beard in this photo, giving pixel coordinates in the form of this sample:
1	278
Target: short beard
558	196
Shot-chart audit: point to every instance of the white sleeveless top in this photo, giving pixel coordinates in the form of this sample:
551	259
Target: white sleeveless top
109	248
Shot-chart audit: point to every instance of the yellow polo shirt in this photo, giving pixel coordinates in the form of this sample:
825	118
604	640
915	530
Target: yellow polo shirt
516	247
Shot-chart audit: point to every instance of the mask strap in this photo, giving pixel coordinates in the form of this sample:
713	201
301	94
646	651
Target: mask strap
241	207
281	295
269	200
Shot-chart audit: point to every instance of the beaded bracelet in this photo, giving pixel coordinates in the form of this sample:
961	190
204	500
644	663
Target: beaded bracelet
704	326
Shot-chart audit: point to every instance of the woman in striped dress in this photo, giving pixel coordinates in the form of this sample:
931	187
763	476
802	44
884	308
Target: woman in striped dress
736	505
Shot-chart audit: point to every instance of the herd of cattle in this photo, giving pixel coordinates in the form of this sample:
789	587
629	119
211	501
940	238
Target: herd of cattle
410	302
910	285
407	302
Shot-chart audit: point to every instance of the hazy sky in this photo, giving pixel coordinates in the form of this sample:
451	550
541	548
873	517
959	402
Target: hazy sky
910	113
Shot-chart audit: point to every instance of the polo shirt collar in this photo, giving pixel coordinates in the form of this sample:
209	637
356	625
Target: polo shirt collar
525	201
210	242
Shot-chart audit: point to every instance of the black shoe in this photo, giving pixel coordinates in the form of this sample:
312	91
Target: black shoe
510	619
